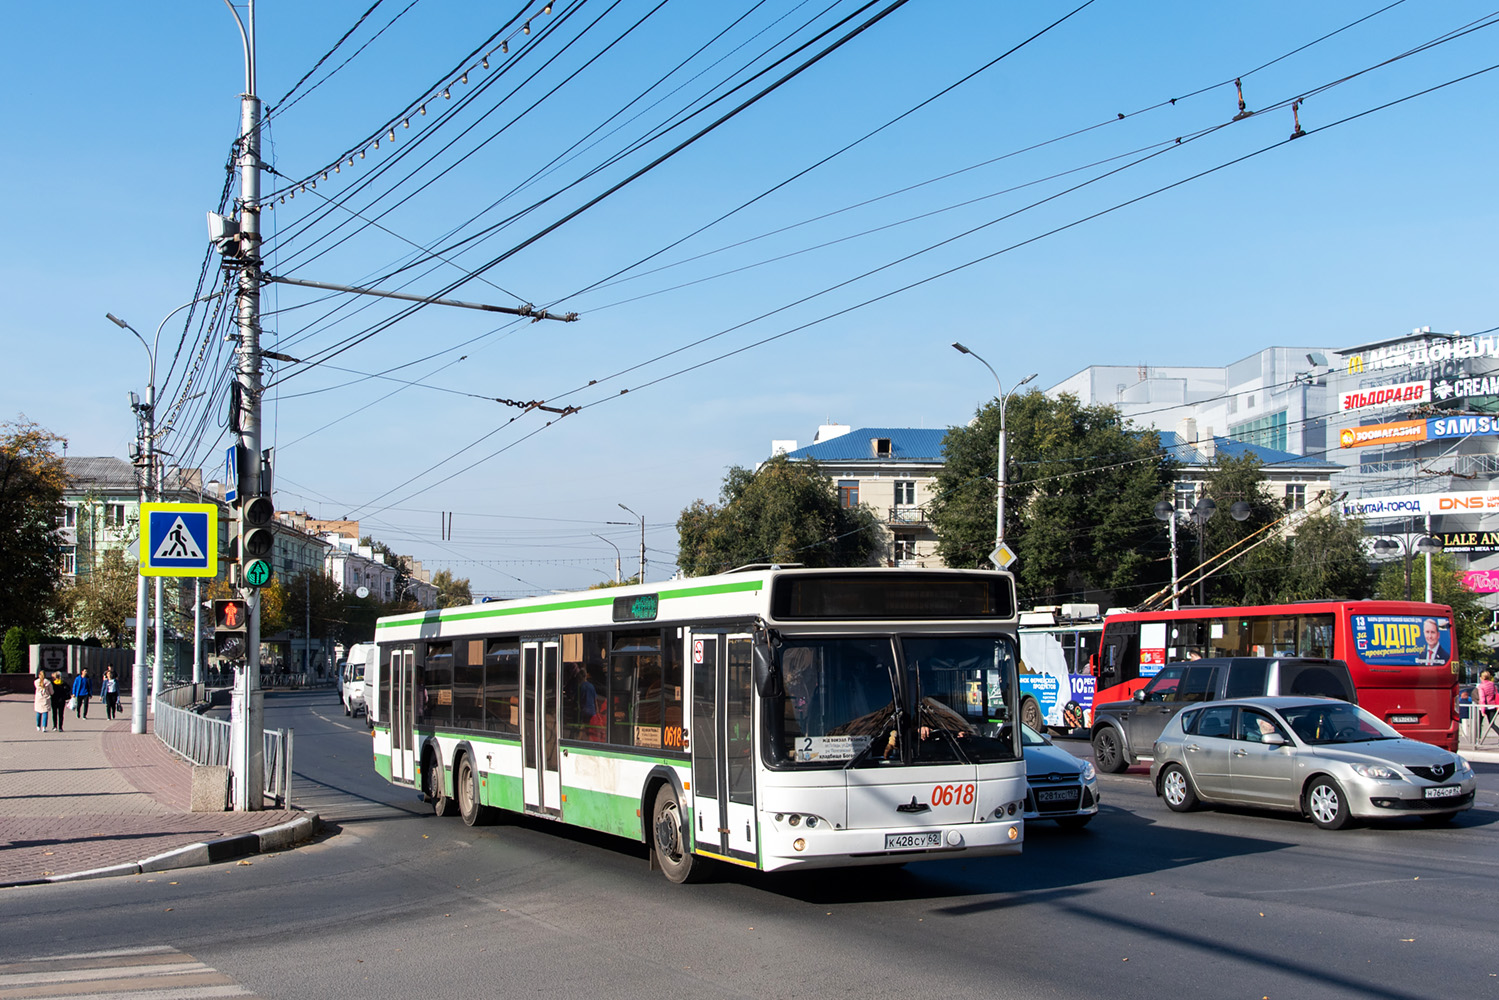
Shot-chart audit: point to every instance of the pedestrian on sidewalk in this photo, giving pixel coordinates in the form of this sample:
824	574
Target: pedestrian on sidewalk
43	700
59	700
81	694
1486	702
111	692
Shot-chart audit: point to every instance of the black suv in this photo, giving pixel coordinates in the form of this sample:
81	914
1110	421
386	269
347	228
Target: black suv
1124	732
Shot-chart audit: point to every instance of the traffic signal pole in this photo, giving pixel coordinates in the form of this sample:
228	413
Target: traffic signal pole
247	743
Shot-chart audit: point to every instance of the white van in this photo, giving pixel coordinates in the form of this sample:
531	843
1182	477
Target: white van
352	677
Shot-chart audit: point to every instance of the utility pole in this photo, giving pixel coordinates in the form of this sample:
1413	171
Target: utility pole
247	730
641	578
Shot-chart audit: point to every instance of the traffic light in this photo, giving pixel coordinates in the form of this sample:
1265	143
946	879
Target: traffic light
230	615
255	534
231	619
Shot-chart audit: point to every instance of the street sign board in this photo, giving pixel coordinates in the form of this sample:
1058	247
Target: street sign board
1003	556
179	539
257	572
231	473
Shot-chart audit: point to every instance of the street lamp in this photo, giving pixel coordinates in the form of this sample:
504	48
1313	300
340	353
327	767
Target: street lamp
617	556
642	541
1202	512
146	415
1406	546
999	505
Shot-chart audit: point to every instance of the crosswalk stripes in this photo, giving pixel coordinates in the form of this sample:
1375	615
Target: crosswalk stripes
148	973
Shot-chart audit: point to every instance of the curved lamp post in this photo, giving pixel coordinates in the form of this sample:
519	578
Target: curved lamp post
1406	547
999	503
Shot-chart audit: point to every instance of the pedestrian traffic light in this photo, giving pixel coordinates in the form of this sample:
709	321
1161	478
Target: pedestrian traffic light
230	615
229	645
255	535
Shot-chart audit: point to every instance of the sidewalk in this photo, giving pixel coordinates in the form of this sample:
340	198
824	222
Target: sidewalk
95	796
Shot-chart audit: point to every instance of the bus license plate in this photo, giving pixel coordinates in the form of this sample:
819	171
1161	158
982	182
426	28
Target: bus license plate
1404	720
906	841
1440	792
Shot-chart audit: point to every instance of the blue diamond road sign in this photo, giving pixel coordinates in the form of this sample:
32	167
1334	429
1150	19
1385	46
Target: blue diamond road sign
179	539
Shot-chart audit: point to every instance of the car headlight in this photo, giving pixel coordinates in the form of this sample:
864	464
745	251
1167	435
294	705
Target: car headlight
1379	771
1086	774
1464	769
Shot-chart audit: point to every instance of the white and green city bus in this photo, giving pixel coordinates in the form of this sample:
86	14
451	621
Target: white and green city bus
771	718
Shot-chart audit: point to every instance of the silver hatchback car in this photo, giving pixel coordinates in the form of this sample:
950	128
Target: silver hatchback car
1325	759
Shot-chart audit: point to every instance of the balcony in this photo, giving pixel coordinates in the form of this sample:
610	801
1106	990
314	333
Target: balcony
907	514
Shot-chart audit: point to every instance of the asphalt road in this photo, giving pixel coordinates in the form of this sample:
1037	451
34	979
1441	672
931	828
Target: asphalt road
393	902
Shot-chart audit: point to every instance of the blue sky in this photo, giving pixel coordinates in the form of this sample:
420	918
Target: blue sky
119	120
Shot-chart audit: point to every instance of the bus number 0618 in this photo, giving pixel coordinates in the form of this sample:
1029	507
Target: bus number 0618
953	795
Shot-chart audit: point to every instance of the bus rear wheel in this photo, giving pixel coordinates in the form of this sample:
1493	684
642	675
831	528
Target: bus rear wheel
1030	714
466	787
669	838
437	793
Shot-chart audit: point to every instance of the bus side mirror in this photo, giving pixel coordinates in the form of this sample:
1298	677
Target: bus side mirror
767	677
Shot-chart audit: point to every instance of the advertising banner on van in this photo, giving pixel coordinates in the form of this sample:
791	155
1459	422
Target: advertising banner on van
1402	640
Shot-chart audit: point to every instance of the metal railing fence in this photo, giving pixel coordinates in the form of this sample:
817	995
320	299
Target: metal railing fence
204	740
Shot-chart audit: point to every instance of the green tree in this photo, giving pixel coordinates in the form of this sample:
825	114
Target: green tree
312	595
1327	561
97	605
783	512
16	649
32	481
1258	575
1079	491
1470	618
451	593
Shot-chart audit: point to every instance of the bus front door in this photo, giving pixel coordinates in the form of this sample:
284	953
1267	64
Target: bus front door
723	761
541	696
403	715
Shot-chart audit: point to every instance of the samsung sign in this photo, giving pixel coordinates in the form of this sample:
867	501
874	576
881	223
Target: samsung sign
1451	427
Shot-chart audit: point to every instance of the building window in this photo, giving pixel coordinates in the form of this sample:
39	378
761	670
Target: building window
905	493
68	517
848	492
1269	431
1186	495
1295	496
69	559
114	515
904	548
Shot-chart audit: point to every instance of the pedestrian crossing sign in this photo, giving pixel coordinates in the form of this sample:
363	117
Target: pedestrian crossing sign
179	539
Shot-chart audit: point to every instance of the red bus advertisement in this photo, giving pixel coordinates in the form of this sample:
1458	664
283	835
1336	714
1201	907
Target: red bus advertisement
1401	653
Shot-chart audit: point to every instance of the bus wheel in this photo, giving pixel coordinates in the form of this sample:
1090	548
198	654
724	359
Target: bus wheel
436	793
1108	754
1030	714
466	787
677	863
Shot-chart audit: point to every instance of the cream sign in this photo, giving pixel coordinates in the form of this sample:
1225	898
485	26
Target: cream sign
1385	396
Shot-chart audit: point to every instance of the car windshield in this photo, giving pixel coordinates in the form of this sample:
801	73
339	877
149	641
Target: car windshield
1029	737
1331	722
851	703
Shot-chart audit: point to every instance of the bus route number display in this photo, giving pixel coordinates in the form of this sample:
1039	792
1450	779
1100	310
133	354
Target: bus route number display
639	608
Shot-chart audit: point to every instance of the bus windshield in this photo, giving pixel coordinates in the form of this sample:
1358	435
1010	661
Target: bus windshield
873	702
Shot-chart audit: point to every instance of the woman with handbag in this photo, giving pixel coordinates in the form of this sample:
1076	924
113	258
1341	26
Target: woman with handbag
111	692
43	700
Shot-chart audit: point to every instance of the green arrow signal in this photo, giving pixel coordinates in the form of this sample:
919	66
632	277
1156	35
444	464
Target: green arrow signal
258	573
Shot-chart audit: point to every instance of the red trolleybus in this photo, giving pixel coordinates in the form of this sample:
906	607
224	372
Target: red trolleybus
1402	653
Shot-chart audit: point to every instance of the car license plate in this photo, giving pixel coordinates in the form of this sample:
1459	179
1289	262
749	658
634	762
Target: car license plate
905	841
1056	794
1404	720
1444	791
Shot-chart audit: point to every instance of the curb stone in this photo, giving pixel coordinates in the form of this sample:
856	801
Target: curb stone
275	838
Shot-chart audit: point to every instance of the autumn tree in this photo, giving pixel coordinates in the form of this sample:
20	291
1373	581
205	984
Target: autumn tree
783	512
1080	487
451	593
98	604
32	481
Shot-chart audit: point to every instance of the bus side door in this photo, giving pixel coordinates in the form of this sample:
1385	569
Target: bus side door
541	702
402	715
723	759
